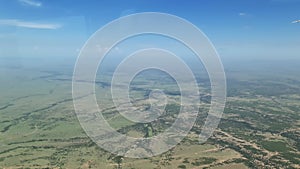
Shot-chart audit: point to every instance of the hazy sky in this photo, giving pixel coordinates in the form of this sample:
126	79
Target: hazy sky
237	28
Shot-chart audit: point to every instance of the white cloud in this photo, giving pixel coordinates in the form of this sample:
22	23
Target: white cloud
34	25
242	14
31	3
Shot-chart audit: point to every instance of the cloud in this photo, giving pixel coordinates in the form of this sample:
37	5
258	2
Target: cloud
31	3
33	25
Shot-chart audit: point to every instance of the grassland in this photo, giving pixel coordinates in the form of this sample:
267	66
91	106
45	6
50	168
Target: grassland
39	128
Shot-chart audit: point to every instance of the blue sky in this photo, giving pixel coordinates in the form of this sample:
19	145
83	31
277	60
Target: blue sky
238	28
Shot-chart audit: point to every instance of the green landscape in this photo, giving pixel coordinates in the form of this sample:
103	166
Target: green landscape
259	128
150	84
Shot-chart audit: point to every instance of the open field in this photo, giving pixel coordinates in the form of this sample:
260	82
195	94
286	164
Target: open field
39	128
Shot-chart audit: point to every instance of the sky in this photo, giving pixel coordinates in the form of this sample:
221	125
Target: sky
239	29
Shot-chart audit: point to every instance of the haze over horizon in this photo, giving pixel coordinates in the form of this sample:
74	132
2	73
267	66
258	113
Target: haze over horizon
251	29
